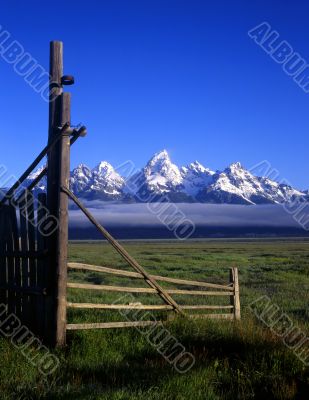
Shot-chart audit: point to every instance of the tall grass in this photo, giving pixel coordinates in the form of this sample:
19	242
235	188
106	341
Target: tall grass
233	360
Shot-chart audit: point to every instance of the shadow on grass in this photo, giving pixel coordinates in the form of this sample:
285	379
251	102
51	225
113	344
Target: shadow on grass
233	361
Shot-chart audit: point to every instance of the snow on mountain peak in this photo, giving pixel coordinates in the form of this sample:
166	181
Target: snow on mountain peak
102	181
158	159
36	173
82	170
161	154
235	166
106	178
195	177
103	167
161	174
199	168
160	177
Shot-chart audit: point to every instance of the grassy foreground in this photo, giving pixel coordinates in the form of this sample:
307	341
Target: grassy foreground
233	360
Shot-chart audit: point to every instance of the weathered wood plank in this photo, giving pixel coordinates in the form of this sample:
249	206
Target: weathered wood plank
17	265
206	307
10	260
142	306
26	254
192	283
143	290
53	180
96	268
33	321
130	274
41	263
28	290
211	316
110	288
236	294
110	325
24	263
3	264
199	292
119	306
62	241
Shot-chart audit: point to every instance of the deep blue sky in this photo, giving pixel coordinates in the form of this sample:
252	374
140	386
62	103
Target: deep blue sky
154	74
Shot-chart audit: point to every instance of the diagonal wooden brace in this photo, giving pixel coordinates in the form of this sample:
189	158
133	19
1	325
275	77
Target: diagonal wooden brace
75	135
34	164
131	261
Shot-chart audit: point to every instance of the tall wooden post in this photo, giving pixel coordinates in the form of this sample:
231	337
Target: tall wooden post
57	202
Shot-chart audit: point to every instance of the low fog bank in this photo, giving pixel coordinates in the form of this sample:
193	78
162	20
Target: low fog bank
149	220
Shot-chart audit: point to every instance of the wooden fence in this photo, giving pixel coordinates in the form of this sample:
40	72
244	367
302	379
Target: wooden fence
231	290
23	253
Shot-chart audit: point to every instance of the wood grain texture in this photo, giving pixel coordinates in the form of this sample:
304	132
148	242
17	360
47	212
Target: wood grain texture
111	325
113	271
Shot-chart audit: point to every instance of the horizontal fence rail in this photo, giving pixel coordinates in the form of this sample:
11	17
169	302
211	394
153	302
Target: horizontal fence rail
231	290
143	306
144	290
109	325
113	271
212	316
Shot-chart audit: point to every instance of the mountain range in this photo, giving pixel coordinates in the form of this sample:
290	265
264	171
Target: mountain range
161	180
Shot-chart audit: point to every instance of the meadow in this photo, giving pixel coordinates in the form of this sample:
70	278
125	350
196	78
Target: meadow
234	360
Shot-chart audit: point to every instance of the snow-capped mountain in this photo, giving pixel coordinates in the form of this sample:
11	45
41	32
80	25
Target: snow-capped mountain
233	185
158	179
101	182
81	177
195	178
162	180
42	184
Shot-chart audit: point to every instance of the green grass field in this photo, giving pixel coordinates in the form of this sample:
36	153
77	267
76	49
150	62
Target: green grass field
233	360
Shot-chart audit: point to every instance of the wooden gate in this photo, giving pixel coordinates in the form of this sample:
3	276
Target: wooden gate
23	252
231	289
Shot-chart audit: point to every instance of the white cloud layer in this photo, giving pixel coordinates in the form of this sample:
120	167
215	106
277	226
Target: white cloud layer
135	215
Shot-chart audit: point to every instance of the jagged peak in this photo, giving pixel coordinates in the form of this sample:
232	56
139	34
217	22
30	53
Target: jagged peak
160	156
162	153
198	167
82	166
236	165
103	166
160	170
160	175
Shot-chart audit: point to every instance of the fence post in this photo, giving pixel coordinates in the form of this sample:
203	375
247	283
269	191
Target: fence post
57	202
62	243
235	302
